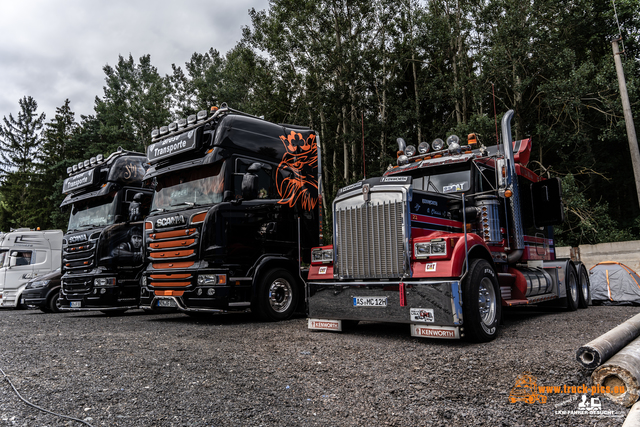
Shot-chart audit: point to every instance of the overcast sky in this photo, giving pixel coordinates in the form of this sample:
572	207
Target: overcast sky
52	50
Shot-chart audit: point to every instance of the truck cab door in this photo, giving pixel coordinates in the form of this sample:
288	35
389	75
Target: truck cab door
546	198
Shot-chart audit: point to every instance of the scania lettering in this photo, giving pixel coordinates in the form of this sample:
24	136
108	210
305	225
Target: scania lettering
235	214
447	237
102	250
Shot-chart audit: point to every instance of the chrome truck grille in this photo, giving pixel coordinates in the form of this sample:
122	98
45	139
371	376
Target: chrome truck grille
369	239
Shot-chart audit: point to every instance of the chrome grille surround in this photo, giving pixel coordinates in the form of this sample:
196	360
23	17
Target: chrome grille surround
371	237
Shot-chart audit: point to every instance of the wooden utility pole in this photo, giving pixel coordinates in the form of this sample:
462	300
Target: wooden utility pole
628	117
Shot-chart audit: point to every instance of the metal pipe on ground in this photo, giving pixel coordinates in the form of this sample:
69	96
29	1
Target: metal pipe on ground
620	376
633	417
598	351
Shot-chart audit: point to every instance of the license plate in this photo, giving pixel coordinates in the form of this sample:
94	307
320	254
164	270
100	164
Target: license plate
166	303
76	304
369	301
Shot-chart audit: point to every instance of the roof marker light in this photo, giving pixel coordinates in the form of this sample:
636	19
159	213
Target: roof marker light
202	115
155	133
191	119
99	158
69	170
93	161
87	163
80	165
182	123
173	126
75	168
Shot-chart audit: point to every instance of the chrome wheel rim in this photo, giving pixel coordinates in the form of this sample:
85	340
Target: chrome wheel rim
487	302
585	288
280	295
573	287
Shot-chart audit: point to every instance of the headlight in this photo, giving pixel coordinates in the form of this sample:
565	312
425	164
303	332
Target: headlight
423	148
38	284
437	144
410	150
105	281
322	255
212	279
436	247
144	281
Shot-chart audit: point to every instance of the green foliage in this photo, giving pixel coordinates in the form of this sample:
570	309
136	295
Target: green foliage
586	221
20	143
364	73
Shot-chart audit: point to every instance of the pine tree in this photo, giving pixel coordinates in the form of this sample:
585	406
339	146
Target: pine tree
20	143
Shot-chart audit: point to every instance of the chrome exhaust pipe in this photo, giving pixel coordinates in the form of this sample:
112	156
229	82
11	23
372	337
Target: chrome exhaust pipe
517	243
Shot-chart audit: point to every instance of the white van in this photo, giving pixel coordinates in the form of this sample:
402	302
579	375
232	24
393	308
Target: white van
25	254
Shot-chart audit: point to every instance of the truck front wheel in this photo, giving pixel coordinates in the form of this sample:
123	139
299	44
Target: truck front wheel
481	306
277	296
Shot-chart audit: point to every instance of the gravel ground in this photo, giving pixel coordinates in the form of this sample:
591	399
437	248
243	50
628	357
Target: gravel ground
228	370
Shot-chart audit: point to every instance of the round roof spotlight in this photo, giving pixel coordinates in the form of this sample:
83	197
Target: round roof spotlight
437	144
403	160
423	148
453	142
453	139
410	150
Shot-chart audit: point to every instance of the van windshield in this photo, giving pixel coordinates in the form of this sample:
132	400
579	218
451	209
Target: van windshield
93	213
202	186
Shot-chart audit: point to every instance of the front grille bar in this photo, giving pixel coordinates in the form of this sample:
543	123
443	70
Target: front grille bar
369	240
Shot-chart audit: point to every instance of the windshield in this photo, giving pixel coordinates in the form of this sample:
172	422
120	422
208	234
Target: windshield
202	186
450	182
93	213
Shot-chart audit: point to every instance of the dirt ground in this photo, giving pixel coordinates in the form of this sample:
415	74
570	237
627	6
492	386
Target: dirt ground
229	370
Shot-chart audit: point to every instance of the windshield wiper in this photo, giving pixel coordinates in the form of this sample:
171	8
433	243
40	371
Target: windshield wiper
157	210
183	203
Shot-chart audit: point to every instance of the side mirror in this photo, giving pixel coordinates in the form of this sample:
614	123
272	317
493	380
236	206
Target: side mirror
13	261
250	182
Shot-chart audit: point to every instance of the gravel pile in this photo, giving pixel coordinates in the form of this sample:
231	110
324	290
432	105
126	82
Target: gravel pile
229	370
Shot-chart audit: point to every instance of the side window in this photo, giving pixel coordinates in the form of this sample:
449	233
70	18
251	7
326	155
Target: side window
22	258
486	179
266	186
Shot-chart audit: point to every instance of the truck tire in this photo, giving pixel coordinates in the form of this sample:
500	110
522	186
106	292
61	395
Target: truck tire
585	287
52	303
482	306
277	296
573	292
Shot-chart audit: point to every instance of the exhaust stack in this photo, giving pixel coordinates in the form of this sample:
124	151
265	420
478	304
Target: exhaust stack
517	239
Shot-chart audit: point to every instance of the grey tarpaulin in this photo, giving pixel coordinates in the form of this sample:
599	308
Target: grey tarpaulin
614	283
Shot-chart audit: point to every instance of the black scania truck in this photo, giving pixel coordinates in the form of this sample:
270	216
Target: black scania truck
234	216
102	256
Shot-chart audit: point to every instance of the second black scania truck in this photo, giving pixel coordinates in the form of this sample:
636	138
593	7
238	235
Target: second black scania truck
102	255
235	213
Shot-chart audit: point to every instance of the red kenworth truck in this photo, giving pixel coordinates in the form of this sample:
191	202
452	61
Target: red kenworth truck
443	241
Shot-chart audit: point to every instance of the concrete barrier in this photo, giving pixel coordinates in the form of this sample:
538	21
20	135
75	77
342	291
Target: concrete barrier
627	253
